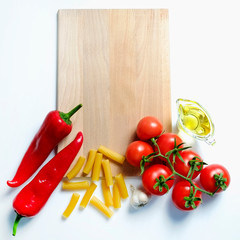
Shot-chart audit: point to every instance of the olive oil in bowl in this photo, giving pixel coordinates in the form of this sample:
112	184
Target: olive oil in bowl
194	120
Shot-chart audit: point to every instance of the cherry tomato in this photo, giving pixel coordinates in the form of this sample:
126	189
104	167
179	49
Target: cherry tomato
183	168
166	143
136	150
181	190
214	176
152	175
149	127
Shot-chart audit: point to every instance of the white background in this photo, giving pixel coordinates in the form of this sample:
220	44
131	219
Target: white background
204	55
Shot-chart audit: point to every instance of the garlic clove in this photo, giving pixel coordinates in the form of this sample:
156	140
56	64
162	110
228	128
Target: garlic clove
139	198
143	198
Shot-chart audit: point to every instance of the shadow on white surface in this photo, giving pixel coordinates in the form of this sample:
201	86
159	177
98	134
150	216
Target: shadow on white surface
10	192
208	201
175	214
141	210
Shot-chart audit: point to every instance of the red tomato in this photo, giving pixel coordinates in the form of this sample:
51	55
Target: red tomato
183	168
208	175
149	127
136	150
166	143
181	190
151	174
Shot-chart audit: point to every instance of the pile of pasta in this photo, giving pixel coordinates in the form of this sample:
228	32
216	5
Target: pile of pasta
94	163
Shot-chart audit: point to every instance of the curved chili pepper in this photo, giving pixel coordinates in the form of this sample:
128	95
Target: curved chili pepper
55	127
34	195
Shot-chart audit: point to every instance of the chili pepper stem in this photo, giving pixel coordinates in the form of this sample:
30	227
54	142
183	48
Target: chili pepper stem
70	113
66	116
16	222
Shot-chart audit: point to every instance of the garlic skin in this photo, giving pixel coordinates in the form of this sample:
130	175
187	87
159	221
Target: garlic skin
139	198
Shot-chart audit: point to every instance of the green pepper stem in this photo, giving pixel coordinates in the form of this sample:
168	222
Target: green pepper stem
66	116
70	113
17	220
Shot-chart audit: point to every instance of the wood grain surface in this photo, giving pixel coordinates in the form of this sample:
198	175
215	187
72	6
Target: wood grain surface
116	63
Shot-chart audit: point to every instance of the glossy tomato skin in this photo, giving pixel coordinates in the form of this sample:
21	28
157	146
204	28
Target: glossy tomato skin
207	177
183	168
149	127
166	143
181	190
136	150
149	178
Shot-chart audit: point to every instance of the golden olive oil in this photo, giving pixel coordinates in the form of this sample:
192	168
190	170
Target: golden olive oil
194	120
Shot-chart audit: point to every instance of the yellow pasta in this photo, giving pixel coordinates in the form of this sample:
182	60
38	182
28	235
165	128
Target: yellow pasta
90	161
116	196
121	185
107	172
111	154
77	167
97	167
71	205
101	206
107	194
88	195
75	185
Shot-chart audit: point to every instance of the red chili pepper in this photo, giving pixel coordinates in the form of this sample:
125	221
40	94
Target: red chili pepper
33	196
55	127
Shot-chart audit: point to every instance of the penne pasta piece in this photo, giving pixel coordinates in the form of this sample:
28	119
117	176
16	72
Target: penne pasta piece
107	172
88	194
90	161
97	167
116	196
107	194
75	185
76	169
71	205
101	207
111	154
121	185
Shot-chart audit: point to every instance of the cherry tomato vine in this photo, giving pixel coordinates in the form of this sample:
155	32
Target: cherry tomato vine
170	158
196	165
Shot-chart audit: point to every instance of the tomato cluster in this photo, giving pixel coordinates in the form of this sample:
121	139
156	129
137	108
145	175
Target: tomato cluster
163	156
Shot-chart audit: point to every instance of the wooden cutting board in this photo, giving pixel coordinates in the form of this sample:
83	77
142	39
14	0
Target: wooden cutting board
116	63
